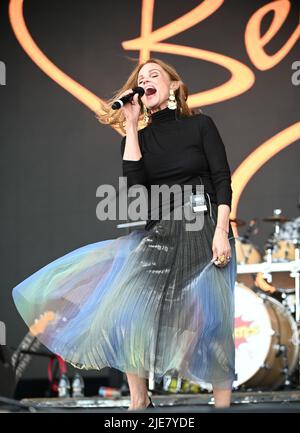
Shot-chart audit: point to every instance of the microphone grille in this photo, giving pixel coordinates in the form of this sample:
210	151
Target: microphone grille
139	90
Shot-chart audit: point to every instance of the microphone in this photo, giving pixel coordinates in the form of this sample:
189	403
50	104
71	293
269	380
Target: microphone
120	102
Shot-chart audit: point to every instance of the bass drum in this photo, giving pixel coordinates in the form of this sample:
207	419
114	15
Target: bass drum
266	340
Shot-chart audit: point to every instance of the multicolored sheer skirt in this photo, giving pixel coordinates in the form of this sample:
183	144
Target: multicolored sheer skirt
148	303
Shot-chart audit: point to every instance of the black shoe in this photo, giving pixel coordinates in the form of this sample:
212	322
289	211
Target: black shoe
150	405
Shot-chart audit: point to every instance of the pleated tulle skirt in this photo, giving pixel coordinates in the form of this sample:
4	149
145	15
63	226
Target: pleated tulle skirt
149	303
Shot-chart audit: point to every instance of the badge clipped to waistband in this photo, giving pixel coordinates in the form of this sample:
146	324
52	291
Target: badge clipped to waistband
198	202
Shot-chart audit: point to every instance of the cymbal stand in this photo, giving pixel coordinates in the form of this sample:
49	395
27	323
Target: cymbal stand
269	246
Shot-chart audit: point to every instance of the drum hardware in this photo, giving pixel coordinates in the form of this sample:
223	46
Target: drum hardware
274	238
266	366
263	296
281	350
288	299
281	277
285	369
267	275
284	240
287	381
296	275
285	292
277	218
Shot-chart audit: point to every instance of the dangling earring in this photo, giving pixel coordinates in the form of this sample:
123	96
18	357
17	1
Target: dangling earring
146	116
172	103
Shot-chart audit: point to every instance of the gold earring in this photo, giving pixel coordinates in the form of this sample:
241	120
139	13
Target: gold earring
146	116
172	103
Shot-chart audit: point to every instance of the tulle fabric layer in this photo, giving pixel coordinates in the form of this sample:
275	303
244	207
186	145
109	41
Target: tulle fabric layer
148	303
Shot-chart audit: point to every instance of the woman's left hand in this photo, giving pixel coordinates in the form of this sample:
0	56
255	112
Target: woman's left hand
221	249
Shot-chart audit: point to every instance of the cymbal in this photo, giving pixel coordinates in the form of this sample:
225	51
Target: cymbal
237	222
274	218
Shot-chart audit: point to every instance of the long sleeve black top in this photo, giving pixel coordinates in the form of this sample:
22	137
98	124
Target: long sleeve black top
177	150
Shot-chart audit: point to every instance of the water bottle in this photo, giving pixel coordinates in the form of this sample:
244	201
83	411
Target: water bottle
64	386
78	386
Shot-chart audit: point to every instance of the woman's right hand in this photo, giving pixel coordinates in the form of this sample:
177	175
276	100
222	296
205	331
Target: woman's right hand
132	108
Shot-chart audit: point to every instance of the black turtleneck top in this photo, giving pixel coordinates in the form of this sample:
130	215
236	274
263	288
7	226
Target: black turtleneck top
180	150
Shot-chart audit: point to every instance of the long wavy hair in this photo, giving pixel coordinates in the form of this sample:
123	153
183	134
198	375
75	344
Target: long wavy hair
108	116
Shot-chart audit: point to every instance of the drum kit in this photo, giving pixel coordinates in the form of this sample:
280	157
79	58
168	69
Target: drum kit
267	306
267	310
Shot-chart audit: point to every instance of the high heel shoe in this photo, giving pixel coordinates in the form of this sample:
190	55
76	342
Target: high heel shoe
151	404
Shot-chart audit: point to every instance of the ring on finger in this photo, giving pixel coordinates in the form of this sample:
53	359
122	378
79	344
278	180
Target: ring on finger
221	258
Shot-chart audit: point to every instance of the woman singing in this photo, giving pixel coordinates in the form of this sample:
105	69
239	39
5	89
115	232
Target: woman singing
159	299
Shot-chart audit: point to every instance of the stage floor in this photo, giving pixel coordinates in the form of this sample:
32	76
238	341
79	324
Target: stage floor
276	401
